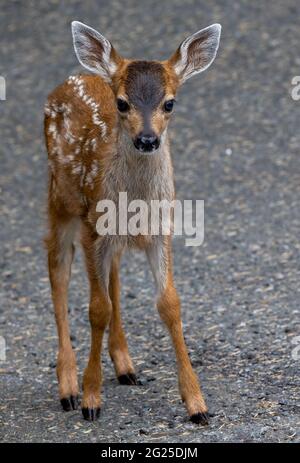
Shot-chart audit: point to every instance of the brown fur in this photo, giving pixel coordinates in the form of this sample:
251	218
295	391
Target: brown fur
90	158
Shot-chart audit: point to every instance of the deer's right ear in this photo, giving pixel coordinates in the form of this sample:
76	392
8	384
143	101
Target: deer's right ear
94	51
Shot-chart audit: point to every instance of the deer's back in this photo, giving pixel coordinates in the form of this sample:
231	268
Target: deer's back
80	119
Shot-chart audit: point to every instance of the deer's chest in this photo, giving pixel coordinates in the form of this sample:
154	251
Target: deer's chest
142	179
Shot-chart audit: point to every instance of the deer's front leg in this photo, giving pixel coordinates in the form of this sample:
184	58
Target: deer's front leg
99	315
117	343
98	265
168	303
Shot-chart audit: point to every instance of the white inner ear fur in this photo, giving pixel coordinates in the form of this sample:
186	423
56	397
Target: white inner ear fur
93	50
207	49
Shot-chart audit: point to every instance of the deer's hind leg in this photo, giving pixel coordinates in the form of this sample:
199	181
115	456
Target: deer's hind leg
60	255
117	343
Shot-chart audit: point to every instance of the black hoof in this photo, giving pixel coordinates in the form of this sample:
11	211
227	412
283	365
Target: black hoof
129	379
69	403
200	418
91	414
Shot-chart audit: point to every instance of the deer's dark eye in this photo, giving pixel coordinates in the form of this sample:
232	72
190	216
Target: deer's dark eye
122	105
168	105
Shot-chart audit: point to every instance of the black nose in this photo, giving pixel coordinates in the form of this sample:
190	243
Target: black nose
146	142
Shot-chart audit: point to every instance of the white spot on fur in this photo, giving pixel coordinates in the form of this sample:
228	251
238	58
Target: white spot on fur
76	169
92	174
70	138
52	130
78	85
47	109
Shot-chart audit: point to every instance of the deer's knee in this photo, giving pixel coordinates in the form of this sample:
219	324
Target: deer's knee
168	305
100	312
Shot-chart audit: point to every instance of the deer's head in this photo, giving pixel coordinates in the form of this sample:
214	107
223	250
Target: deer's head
145	91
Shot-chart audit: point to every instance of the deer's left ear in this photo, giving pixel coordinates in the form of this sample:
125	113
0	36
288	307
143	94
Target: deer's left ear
196	53
94	51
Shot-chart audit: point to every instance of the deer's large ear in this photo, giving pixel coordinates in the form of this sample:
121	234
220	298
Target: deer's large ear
196	53
94	51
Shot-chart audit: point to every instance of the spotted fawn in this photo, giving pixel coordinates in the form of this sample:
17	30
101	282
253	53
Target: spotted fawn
107	133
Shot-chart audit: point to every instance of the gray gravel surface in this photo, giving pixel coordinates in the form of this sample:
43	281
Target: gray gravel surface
235	140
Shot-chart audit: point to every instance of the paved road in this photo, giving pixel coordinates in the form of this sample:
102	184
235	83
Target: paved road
236	143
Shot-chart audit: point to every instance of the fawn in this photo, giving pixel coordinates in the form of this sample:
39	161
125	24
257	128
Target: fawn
107	134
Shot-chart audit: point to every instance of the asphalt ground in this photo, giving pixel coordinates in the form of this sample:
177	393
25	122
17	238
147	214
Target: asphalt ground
235	142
